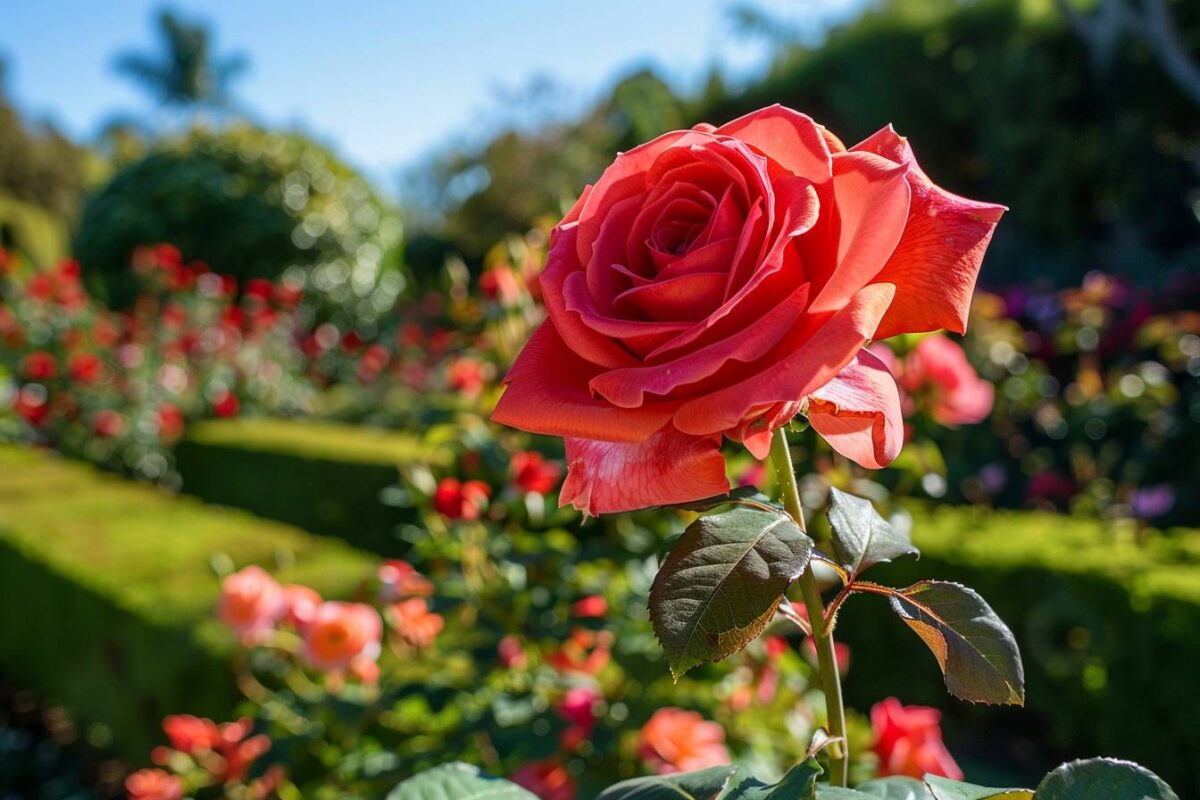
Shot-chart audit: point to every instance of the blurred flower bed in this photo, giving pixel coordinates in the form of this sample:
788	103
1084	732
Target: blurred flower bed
1082	400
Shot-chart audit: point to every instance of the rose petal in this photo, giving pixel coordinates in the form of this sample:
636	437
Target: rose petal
687	297
872	199
668	467
587	343
797	374
628	387
937	261
789	138
547	392
603	283
858	412
639	335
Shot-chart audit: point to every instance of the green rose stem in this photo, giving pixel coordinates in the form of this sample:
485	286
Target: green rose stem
822	635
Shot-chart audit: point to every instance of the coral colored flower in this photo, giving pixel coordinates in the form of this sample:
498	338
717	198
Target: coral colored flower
549	780
190	734
593	605
938	370
716	281
338	633
414	622
457	500
365	670
39	366
300	605
584	651
533	472
84	368
675	740
908	741
501	284
153	784
401	579
250	601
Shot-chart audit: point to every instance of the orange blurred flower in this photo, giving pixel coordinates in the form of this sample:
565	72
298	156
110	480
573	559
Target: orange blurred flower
675	740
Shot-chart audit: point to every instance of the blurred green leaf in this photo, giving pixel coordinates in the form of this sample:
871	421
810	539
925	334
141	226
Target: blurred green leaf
1098	778
460	782
706	784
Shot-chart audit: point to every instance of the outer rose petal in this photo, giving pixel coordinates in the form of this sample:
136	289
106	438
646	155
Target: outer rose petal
872	199
810	366
548	393
669	467
937	262
789	138
858	412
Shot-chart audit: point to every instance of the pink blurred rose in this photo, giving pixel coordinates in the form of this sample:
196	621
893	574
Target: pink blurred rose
250	601
341	632
937	369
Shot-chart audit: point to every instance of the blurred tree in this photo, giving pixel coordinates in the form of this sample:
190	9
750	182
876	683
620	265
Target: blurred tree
42	176
185	73
250	203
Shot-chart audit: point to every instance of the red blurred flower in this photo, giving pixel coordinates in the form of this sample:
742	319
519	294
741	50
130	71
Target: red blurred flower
39	366
250	601
501	284
153	784
675	740
584	651
414	622
400	579
170	422
908	741
338	633
549	780
84	367
532	472
594	605
107	423
457	500
226	404
465	375
190	734
30	404
578	707
40	287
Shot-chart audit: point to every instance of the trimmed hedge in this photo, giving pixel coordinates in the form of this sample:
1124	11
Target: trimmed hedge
108	593
1109	630
324	478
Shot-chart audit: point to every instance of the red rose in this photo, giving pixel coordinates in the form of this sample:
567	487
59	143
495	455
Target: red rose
908	741
457	500
226	404
714	282
39	366
414	622
84	368
533	473
549	780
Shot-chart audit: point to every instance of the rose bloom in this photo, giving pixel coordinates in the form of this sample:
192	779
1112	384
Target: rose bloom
401	579
84	368
300	605
226	404
414	622
250	601
465	375
107	423
533	472
511	653
908	741
153	784
675	740
584	651
714	282
594	605
457	500
549	780
938	371
39	366
340	632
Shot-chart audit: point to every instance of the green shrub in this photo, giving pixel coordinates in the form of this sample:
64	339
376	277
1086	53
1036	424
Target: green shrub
109	590
1096	613
323	478
251	204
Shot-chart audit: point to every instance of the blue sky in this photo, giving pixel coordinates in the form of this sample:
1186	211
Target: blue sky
384	82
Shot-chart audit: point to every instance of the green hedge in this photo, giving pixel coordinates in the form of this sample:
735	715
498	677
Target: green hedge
1109	630
108	592
325	478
